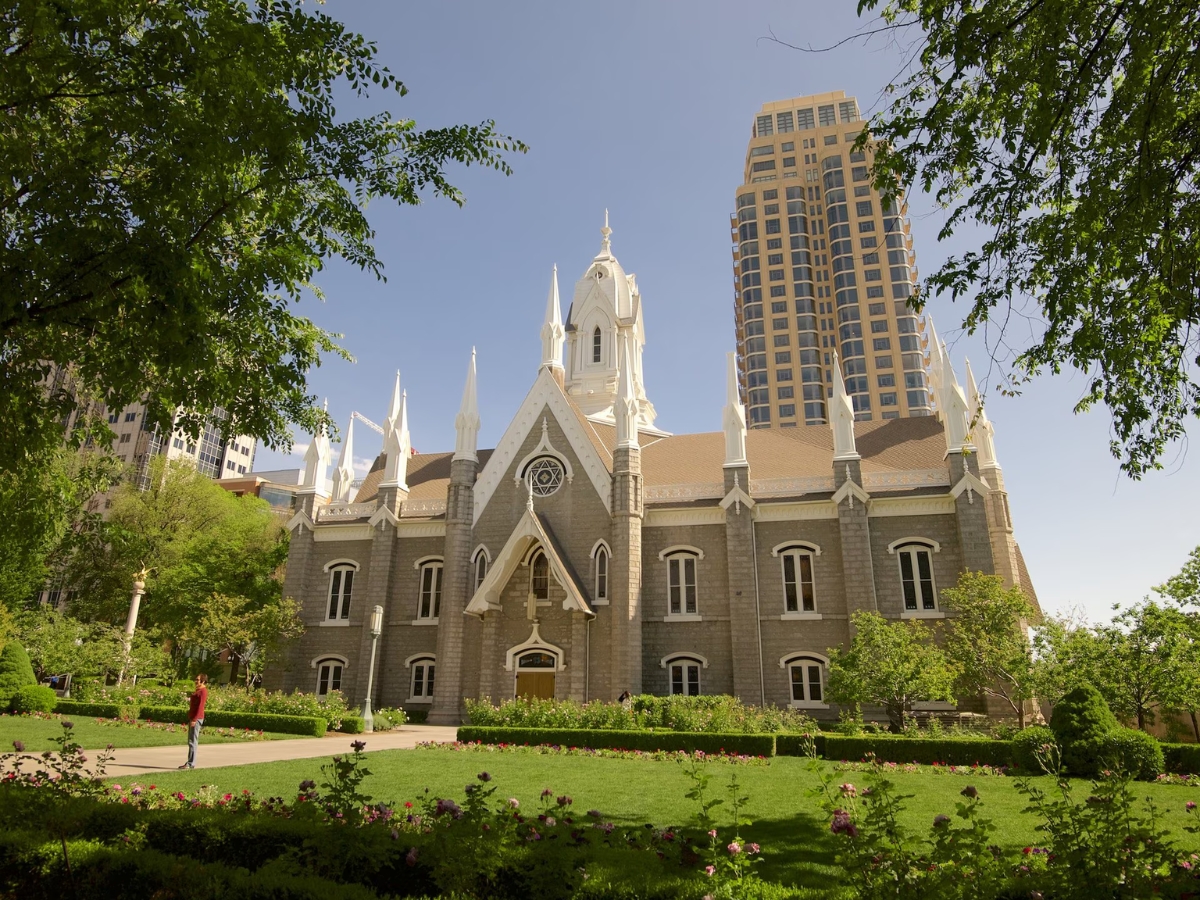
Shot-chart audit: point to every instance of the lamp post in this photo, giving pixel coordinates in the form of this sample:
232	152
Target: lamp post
135	604
376	630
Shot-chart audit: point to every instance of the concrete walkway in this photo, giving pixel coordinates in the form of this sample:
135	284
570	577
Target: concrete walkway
140	760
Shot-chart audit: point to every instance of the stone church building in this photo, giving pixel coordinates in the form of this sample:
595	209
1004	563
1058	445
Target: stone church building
591	553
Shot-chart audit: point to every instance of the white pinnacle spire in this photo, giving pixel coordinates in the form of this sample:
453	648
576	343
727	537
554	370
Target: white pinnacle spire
982	433
343	475
625	410
316	460
605	243
552	330
466	423
734	419
397	445
955	410
935	368
841	417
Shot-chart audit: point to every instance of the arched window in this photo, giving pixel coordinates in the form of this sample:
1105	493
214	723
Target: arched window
480	567
601	574
916	577
329	676
683	676
539	578
341	587
796	564
421	679
597	345
681	584
806	677
429	598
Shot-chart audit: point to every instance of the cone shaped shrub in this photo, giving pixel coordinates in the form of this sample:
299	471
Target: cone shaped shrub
1081	724
16	672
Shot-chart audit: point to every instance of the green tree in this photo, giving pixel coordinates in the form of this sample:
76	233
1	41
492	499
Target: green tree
1184	588
1146	650
175	175
891	664
1067	654
1066	132
15	672
195	538
251	632
988	642
43	510
55	642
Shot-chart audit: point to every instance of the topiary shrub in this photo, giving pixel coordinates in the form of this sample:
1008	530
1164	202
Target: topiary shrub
1026	745
1081	724
16	672
34	698
1132	752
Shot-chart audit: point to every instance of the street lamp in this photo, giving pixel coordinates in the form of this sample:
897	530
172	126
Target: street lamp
376	630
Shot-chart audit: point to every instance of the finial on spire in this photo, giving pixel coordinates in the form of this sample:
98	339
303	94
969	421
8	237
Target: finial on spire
841	416
955	409
466	423
529	498
343	475
316	461
605	243
397	443
553	333
734	418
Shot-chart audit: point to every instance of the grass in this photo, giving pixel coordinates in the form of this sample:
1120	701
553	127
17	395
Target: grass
788	822
95	734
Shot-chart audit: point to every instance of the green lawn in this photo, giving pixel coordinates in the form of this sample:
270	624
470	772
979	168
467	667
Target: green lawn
789	823
36	731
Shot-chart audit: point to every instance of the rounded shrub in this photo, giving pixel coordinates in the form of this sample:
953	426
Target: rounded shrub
1081	724
16	672
1134	753
34	698
1027	747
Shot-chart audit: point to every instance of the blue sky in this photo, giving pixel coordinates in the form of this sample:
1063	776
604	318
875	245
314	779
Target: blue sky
645	109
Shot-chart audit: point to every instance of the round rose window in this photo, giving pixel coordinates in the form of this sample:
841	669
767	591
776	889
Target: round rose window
545	476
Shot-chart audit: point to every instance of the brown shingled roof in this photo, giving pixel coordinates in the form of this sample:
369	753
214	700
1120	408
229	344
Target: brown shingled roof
428	476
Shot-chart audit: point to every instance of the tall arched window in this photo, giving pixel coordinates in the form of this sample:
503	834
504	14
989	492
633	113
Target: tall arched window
806	678
429	599
481	567
916	577
681	584
329	676
421	680
597	345
601	575
796	564
539	579
341	587
683	676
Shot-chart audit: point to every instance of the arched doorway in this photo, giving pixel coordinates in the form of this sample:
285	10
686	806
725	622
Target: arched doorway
535	674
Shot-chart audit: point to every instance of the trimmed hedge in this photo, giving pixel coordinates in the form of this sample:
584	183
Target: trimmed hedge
606	739
1183	759
255	721
91	710
892	748
34	698
1133	752
352	725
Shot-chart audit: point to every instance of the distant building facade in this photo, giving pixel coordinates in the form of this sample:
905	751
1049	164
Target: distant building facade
590	552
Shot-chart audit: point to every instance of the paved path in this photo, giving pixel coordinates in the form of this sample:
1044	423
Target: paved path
137	760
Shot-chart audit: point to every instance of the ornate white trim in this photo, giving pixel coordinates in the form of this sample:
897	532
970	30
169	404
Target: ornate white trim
681	548
534	642
299	520
544	393
327	533
882	507
344	660
421	529
911	478
345	511
544	448
383	514
701	490
596	549
682	654
711	515
971	485
790	487
851	490
912	539
791	512
427	654
815	549
422	508
341	562
802	654
432	557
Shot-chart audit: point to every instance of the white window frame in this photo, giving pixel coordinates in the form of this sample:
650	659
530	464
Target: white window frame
481	557
686	663
423	664
541	554
596	357
910	550
794	550
338	569
436	566
679	563
331	663
806	661
601	556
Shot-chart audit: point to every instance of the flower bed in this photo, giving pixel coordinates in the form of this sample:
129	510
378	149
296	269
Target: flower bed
893	748
680	756
743	744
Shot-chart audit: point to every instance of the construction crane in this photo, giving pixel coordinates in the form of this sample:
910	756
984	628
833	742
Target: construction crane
366	421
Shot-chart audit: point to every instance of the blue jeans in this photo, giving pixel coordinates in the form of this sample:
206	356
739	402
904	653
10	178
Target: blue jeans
193	741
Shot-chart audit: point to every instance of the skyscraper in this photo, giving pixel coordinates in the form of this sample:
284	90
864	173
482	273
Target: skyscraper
822	271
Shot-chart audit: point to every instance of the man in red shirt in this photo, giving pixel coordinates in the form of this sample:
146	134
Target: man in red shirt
196	718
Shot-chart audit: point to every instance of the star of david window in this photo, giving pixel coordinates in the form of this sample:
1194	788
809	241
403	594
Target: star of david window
545	476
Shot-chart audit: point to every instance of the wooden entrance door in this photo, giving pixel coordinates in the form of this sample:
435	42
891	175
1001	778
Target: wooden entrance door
535	684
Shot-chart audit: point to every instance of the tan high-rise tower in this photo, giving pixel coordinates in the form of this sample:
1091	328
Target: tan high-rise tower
821	267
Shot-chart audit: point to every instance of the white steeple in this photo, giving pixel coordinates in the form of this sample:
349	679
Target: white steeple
397	445
316	461
734	419
982	433
466	423
841	417
606	308
343	475
935	368
626	408
956	415
552	330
